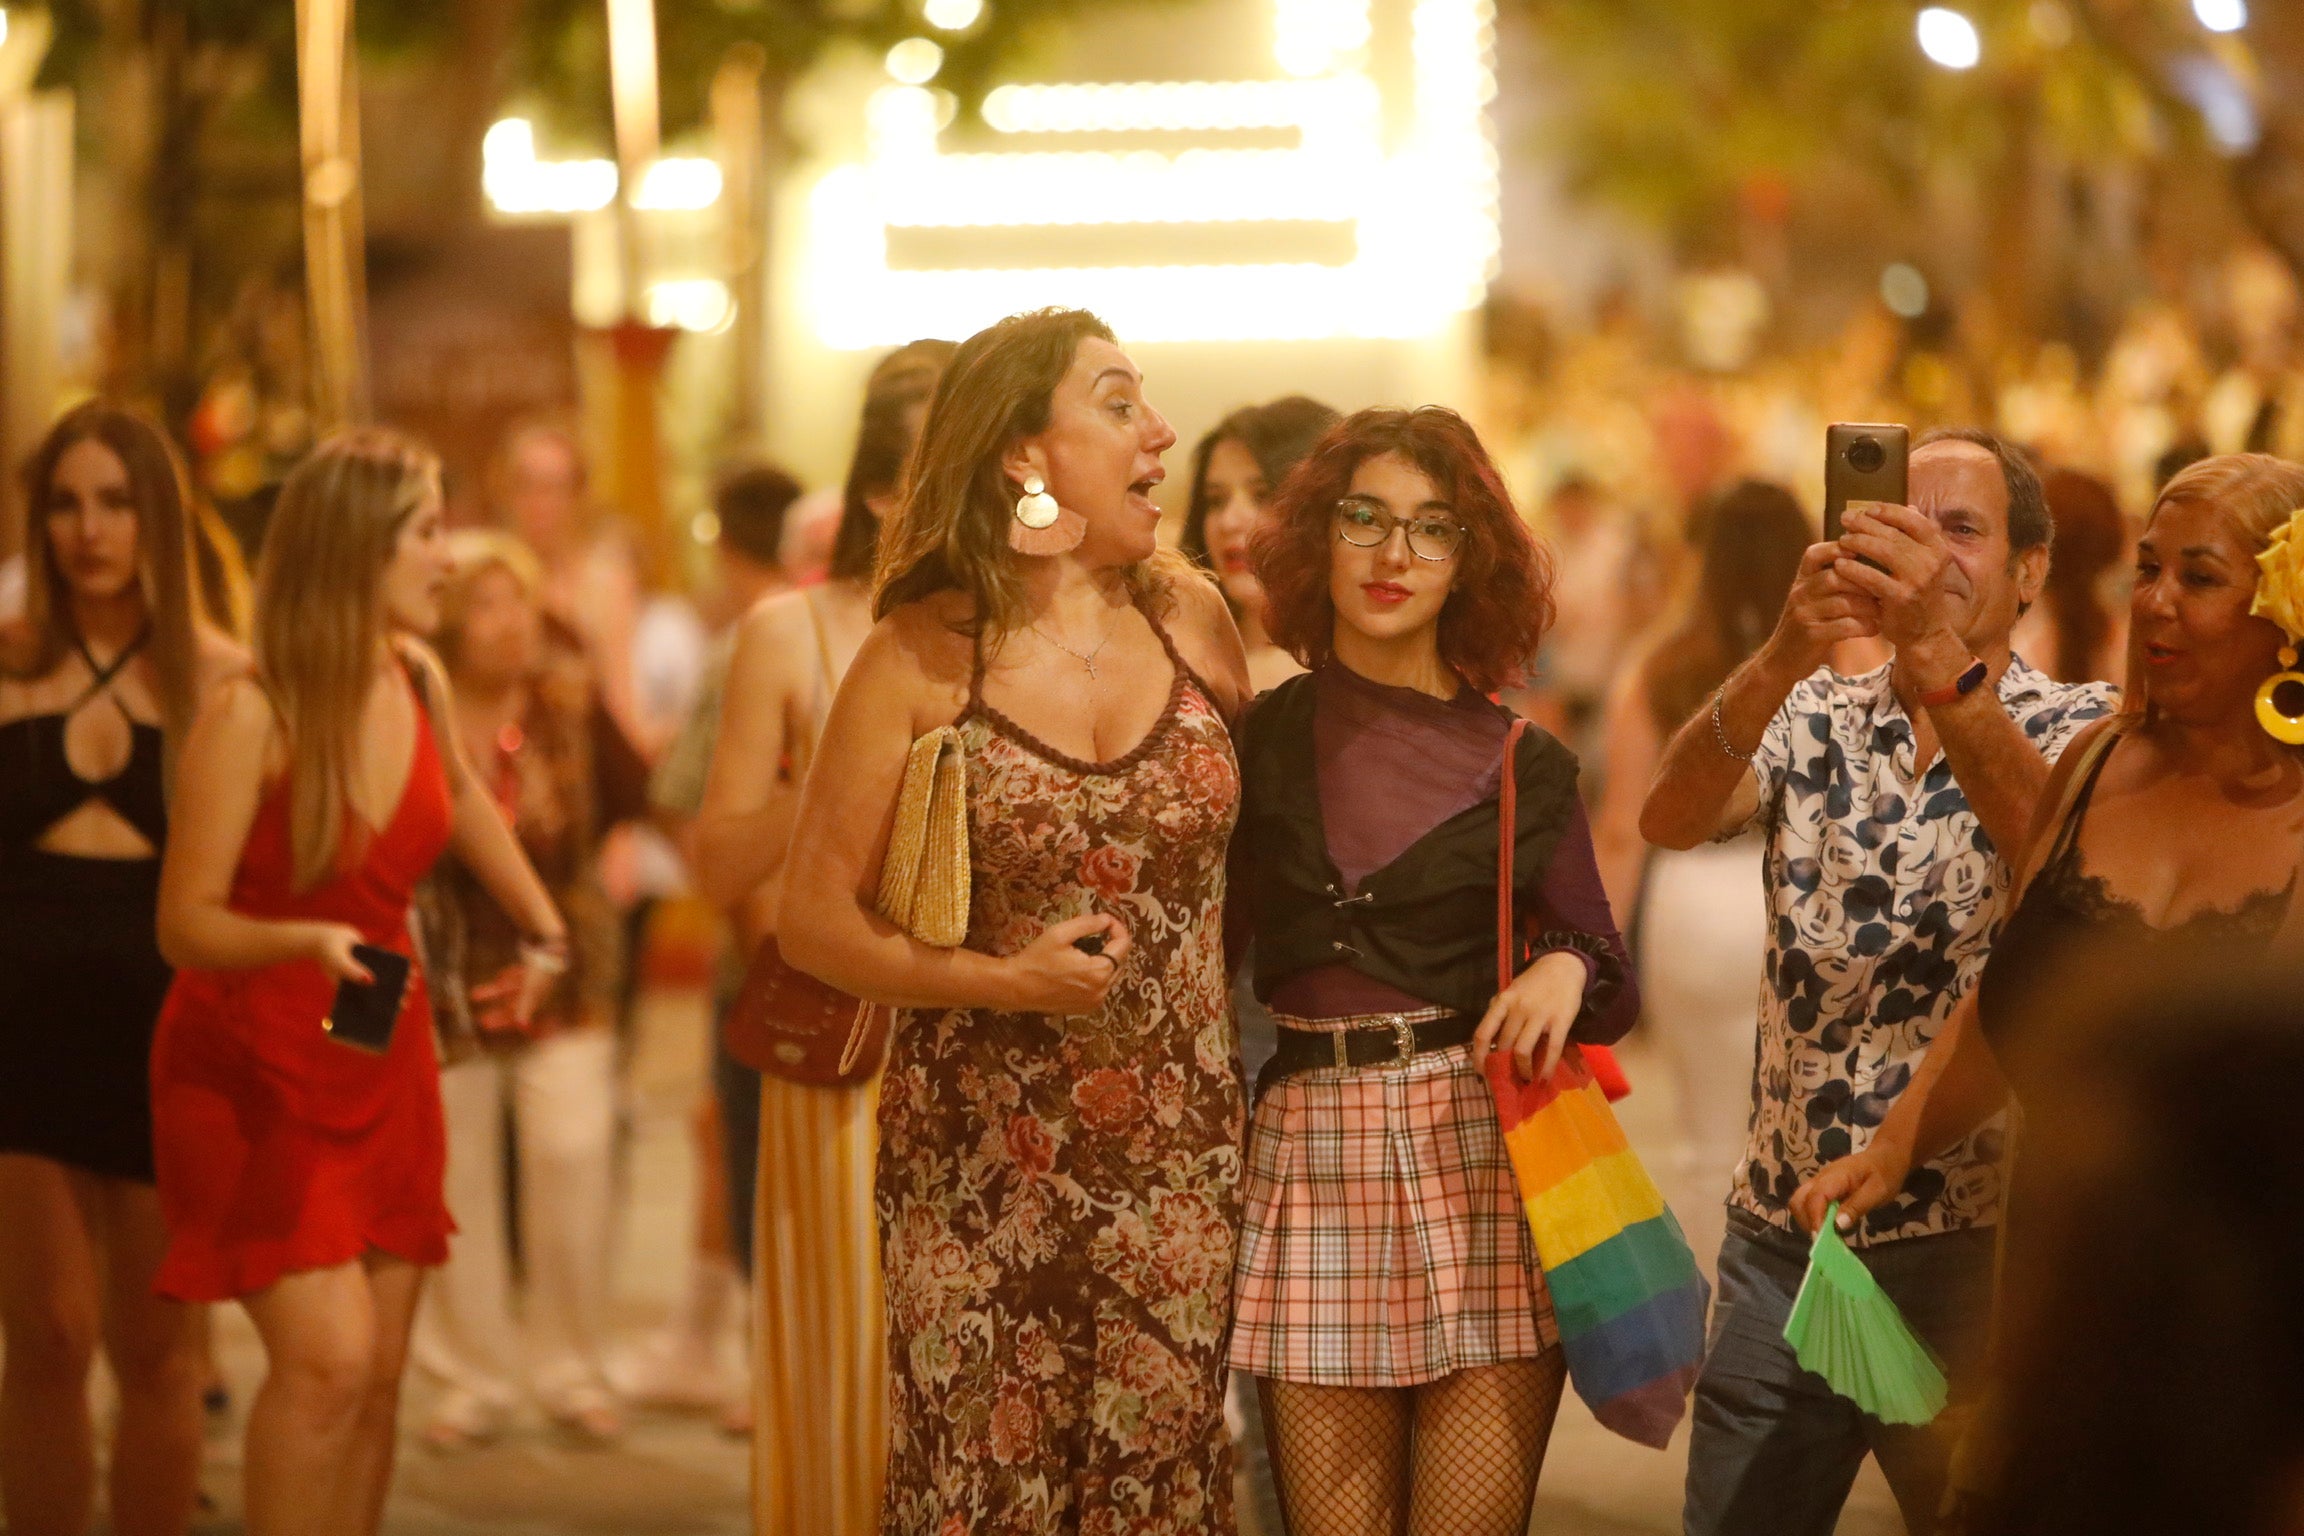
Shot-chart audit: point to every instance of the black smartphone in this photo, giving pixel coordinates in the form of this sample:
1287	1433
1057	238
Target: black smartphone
1089	943
1864	461
364	1013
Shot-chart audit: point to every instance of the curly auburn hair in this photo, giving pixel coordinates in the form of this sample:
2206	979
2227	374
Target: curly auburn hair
1501	601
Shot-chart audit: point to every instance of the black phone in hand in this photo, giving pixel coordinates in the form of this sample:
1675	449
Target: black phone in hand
1864	461
364	1013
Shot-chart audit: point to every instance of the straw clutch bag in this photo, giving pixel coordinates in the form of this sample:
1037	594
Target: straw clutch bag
787	1022
924	878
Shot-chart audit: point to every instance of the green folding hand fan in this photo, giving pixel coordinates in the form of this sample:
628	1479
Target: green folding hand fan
1845	1329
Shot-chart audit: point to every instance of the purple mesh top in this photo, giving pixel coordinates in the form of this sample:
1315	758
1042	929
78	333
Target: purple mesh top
1394	763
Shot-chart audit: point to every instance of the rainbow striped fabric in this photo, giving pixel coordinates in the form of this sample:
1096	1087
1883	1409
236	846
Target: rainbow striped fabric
1628	1296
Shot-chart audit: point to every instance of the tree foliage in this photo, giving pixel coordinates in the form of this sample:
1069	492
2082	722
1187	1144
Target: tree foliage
189	111
1672	109
557	48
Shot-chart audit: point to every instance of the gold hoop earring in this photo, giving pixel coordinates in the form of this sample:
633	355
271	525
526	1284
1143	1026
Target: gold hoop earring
2278	723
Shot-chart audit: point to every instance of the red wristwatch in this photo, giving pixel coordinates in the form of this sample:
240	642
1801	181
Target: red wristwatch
1959	688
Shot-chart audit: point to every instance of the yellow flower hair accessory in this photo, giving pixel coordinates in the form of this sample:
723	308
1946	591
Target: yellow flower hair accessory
2280	598
2280	584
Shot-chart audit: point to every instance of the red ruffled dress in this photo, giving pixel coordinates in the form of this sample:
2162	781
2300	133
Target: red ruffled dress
278	1148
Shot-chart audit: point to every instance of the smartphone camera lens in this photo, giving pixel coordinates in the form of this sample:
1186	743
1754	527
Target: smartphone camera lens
1865	455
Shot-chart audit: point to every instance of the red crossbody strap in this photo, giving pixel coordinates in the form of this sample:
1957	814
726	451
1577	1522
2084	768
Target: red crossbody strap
1507	821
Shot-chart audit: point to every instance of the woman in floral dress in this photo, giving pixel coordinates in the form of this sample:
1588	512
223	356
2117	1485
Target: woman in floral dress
1061	1125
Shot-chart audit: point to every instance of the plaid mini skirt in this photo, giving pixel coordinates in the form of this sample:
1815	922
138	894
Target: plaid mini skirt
1383	1242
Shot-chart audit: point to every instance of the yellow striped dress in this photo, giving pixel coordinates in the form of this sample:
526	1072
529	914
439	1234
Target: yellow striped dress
819	1369
820	1381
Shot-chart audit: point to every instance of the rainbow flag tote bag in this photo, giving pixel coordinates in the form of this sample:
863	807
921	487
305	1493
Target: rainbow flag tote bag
1628	1298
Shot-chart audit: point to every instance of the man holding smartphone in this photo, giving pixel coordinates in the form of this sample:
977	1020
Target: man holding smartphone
1893	803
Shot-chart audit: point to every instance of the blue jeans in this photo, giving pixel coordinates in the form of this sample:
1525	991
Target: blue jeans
1773	1451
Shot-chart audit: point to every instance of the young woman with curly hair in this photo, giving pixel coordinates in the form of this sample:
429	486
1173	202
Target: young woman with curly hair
1390	1302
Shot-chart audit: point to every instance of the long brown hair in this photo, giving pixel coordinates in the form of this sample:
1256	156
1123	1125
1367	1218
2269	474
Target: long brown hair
951	533
319	619
901	382
164	553
1749	540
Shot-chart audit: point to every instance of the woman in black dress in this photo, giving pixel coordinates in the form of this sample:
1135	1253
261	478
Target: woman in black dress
96	684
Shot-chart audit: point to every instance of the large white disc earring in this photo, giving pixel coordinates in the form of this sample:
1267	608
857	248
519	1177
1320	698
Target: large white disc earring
1036	508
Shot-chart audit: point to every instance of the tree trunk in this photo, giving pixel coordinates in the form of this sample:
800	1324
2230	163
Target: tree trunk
335	265
738	122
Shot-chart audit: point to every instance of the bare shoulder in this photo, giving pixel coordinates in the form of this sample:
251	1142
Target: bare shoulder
778	615
239	714
424	664
220	658
772	638
19	646
1205	633
2083	740
1200	604
922	653
2142	761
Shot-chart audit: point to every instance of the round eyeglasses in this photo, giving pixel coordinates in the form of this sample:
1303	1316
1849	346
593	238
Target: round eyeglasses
1367	524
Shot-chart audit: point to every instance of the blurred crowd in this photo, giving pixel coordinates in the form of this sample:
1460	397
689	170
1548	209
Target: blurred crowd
644	748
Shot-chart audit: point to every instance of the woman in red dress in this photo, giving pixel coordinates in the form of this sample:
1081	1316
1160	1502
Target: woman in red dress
298	1174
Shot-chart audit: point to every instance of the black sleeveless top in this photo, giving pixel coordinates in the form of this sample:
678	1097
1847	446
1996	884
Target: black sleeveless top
81	977
2067	912
38	787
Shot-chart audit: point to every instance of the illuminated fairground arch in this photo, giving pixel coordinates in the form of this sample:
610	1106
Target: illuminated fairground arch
1352	195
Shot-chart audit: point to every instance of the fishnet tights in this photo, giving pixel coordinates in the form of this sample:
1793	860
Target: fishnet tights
1455	1457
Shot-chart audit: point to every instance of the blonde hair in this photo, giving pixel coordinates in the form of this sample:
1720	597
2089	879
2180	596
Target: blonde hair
2256	491
165	570
319	620
951	533
472	552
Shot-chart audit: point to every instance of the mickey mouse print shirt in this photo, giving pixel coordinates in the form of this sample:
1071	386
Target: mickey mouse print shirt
1884	894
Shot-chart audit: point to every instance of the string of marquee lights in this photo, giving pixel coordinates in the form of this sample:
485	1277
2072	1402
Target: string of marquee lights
1421	213
517	183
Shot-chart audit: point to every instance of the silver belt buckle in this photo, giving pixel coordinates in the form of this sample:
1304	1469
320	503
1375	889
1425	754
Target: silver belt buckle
1403	1043
1403	1040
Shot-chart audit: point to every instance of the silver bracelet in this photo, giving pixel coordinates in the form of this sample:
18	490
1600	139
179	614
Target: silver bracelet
545	957
1720	732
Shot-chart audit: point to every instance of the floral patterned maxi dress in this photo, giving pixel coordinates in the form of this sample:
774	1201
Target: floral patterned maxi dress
1059	1198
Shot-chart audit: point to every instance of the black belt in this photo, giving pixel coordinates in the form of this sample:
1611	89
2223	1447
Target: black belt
1381	1045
